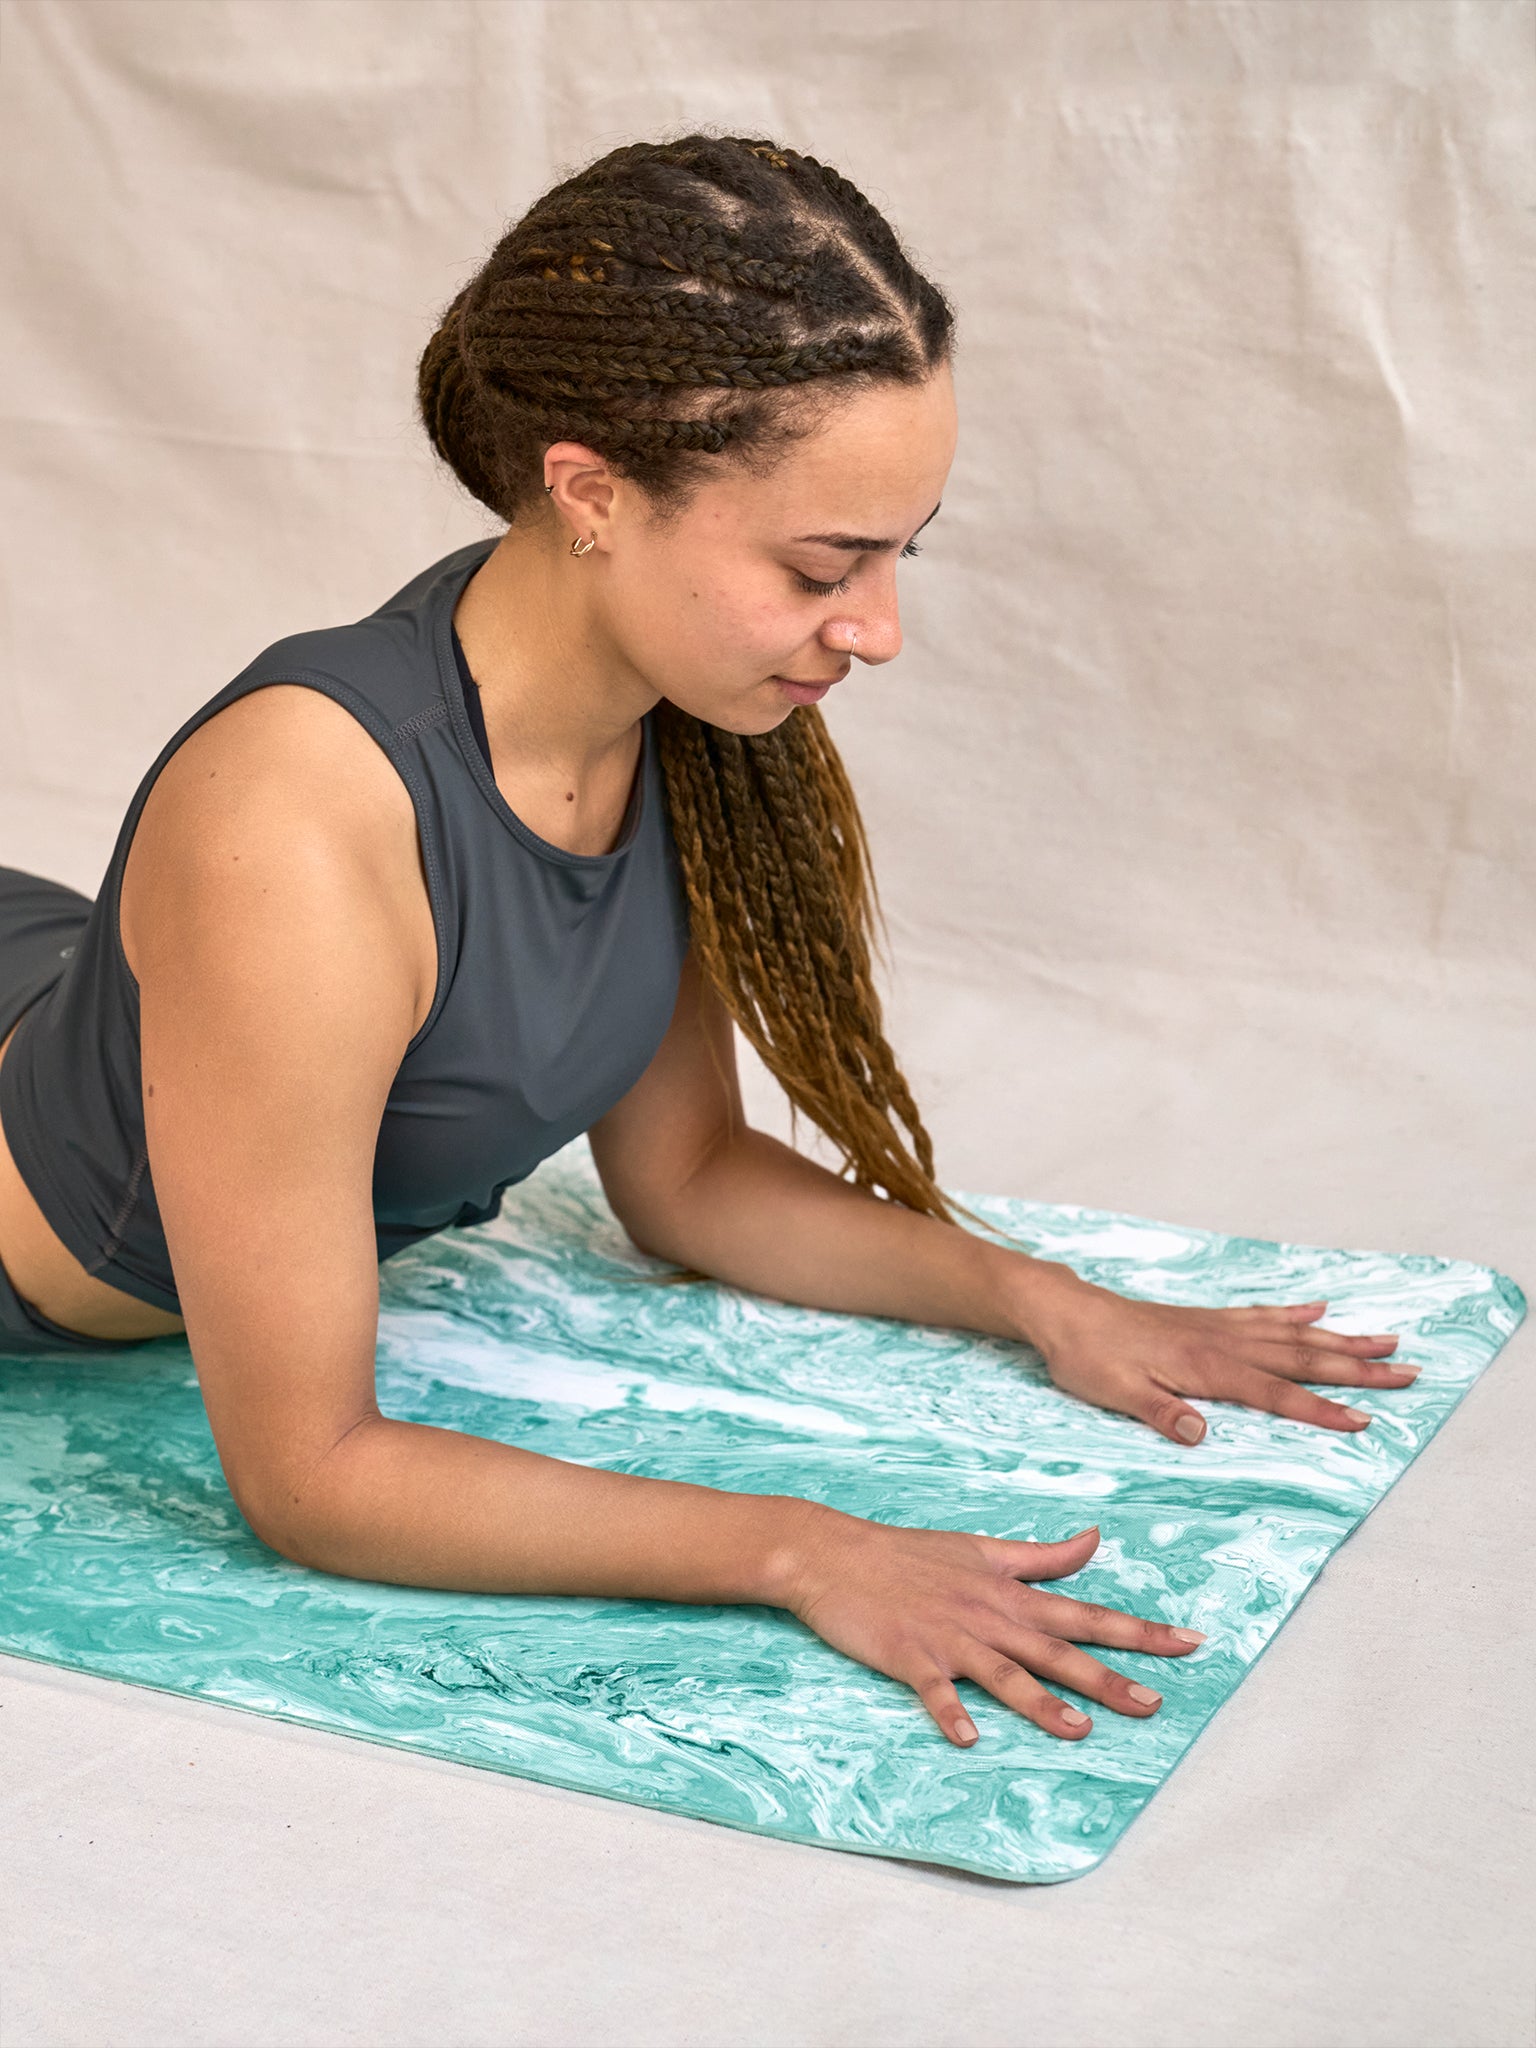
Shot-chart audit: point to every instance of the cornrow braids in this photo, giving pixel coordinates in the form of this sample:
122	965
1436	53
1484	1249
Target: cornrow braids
672	304
711	280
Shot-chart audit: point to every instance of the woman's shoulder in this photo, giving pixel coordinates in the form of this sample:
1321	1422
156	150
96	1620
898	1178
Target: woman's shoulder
284	753
285	781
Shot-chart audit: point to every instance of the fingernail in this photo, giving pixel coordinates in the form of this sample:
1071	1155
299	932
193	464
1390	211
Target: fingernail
1409	1372
1072	1717
1190	1428
1081	1532
1358	1414
966	1730
1189	1635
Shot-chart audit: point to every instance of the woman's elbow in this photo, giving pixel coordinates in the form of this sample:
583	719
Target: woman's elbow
283	1526
306	1518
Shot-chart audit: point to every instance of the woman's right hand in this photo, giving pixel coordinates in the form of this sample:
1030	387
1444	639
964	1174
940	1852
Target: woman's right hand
929	1606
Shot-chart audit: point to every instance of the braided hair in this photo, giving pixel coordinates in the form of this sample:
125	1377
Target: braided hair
672	304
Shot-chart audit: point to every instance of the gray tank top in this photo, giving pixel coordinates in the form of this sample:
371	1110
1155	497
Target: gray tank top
556	972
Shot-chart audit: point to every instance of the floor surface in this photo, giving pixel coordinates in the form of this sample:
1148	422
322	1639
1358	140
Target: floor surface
1343	1860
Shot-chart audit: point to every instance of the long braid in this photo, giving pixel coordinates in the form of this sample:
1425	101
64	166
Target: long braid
783	905
664	306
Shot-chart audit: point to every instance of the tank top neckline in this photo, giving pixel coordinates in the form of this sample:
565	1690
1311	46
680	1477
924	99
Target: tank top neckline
445	636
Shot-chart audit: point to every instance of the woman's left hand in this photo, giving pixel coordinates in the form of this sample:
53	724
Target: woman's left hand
1140	1358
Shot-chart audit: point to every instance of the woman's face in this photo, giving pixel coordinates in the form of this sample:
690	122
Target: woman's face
764	581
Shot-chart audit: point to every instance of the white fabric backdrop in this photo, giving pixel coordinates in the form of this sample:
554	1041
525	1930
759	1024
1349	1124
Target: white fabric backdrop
1201	794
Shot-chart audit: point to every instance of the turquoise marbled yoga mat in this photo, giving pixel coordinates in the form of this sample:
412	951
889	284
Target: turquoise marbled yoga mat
121	1552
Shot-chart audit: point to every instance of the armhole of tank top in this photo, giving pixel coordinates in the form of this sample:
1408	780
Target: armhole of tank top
387	738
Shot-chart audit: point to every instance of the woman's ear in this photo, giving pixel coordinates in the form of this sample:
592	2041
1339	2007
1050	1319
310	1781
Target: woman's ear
585	488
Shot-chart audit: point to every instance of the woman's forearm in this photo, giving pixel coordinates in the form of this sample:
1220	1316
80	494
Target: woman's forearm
760	1215
409	1504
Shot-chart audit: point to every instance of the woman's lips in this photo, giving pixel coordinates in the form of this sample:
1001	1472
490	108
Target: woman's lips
807	692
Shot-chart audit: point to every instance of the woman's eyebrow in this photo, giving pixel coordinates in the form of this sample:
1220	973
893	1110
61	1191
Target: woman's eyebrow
857	543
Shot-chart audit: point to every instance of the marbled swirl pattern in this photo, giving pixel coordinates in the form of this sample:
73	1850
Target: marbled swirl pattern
121	1552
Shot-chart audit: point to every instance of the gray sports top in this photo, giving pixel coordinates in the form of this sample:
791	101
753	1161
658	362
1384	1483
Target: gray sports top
556	972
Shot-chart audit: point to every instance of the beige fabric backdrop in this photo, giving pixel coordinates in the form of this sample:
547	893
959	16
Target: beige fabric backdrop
1216	693
1202	791
1217	673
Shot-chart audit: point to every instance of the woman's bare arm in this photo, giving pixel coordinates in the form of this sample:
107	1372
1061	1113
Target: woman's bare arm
278	990
692	1181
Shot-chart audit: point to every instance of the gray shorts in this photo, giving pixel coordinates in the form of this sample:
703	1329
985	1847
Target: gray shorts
39	921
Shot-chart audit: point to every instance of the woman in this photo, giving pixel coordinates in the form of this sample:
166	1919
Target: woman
413	901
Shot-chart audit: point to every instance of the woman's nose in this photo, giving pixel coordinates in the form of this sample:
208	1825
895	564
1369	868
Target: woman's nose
873	632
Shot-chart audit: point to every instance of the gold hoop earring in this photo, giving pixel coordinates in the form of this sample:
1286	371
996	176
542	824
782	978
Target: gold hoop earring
578	549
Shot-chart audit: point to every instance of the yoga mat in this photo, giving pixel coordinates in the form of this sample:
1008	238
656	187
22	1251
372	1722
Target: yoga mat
121	1552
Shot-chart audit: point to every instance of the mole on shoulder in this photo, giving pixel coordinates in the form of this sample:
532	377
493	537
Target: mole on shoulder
570	796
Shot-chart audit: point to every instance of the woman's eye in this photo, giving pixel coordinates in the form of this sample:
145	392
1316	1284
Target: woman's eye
836	589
